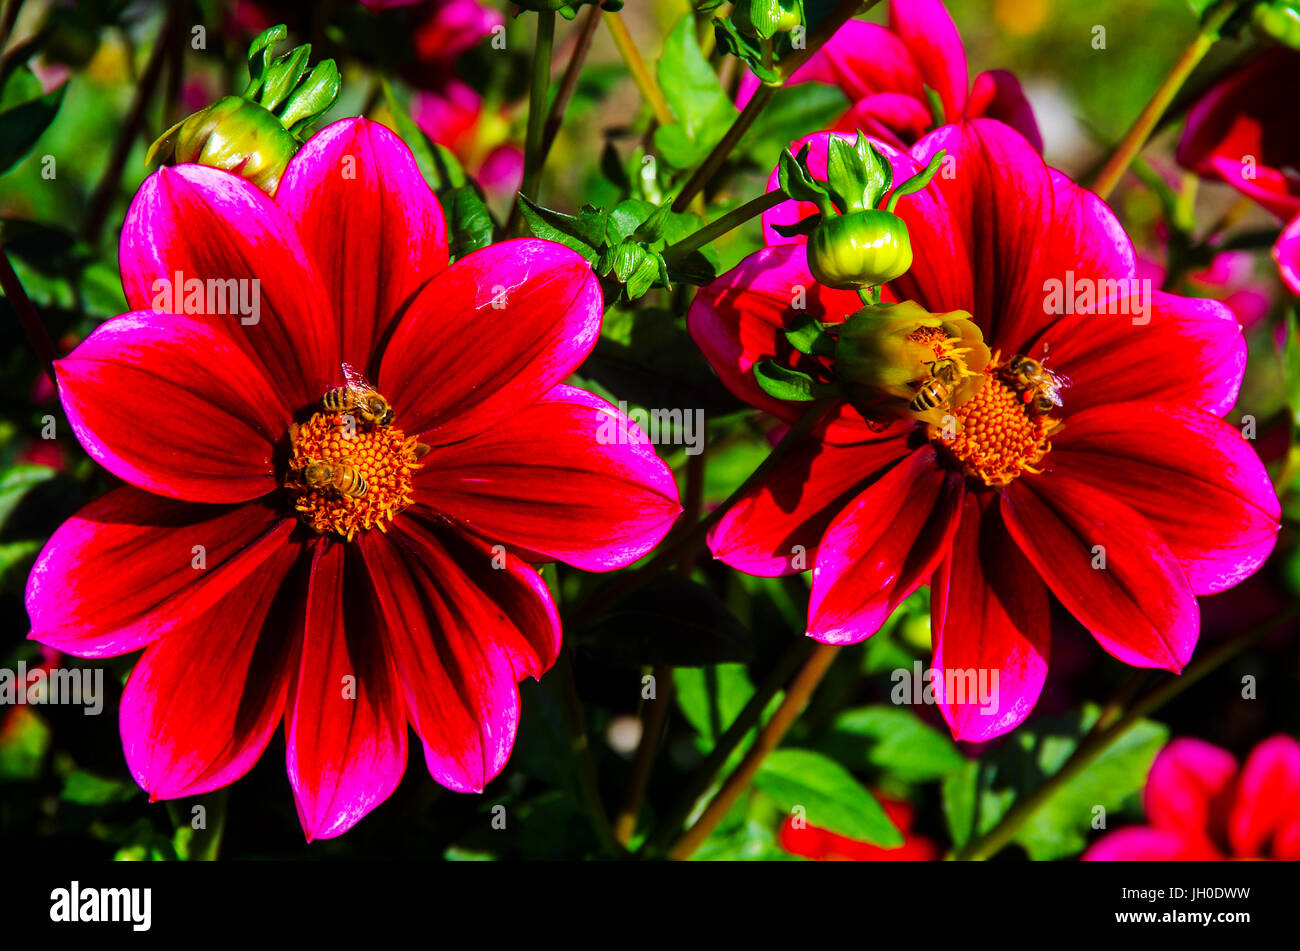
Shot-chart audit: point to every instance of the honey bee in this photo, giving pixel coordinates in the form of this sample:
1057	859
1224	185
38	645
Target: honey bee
358	397
344	479
1035	383
936	390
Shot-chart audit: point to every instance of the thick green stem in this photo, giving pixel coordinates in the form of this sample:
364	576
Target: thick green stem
728	222
1096	743
534	156
1146	122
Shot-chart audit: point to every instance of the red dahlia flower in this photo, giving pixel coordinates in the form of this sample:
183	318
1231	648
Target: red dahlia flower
1201	807
258	591
886	71
810	842
1124	503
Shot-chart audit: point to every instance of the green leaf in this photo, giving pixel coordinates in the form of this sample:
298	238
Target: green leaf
892	740
87	789
979	794
782	383
712	697
809	336
829	795
704	111
470	221
23	744
25	113
673	621
1291	365
20	479
797	181
584	233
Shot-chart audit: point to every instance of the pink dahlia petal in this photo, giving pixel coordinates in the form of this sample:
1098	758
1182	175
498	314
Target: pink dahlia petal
462	633
1268	797
737	319
371	224
1189	350
192	223
881	547
991	616
203	701
1186	782
1139	607
1145	844
997	94
1287	255
489	335
767	530
569	477
172	405
892	117
131	567
1200	485
345	721
864	58
932	38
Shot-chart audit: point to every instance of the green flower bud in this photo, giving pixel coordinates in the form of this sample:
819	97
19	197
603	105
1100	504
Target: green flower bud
232	134
766	18
900	360
860	249
1278	20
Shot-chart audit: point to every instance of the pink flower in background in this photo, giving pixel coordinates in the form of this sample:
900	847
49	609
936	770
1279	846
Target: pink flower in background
1009	511
261	584
454	117
1201	806
886	72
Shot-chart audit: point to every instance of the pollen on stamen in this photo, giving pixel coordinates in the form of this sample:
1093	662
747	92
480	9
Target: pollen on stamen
999	433
346	476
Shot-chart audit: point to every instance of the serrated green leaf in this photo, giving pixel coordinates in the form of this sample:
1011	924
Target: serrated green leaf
584	233
829	795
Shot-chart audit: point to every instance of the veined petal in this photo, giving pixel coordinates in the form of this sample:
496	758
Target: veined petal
192	223
783	517
345	722
131	567
371	224
203	701
1139	606
489	335
881	547
991	618
997	94
1198	483
569	477
932	39
462	634
171	405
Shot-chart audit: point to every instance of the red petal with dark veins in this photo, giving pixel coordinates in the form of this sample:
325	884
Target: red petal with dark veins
489	335
371	224
1139	607
170	405
569	477
991	615
203	701
786	514
462	633
1193	477
345	721
881	547
131	567
208	225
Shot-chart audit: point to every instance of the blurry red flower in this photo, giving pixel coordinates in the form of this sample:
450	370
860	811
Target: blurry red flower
886	72
258	594
810	842
1015	506
1201	807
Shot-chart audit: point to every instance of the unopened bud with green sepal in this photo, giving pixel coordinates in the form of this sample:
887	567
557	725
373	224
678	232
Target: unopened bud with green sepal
255	134
766	18
1278	20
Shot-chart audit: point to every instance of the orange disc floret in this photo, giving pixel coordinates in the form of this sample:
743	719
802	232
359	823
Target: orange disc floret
346	476
999	434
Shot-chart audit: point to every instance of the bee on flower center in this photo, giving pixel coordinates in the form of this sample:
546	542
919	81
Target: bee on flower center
360	399
342	477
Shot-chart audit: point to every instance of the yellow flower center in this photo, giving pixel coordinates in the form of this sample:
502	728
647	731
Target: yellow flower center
347	475
1003	430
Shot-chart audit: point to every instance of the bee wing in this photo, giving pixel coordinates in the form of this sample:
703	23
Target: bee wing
354	381
1055	382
